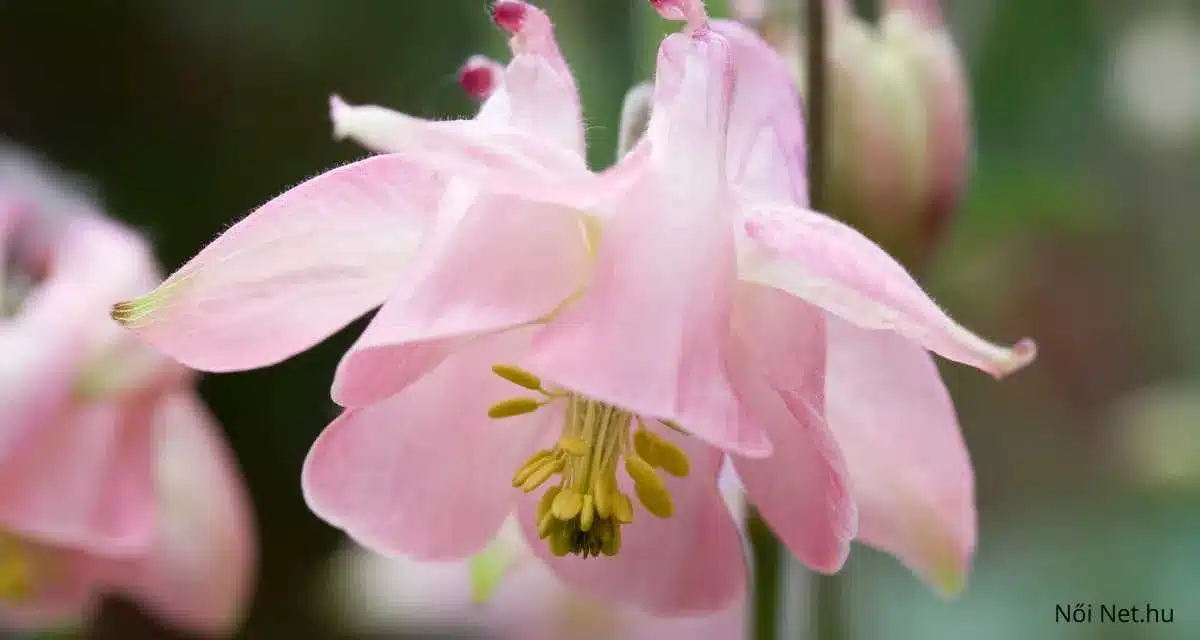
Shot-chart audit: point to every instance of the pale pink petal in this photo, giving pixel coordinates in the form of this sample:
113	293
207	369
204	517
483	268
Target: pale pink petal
499	158
492	264
766	122
540	85
829	264
650	332
294	271
426	473
688	564
802	489
84	479
910	469
63	588
200	568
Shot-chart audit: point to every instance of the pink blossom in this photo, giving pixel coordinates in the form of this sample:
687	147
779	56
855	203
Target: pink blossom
113	476
679	307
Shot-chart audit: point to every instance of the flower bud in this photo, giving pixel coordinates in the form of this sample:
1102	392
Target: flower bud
900	130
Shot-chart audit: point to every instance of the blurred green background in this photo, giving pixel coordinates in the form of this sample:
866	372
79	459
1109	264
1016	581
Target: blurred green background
1081	228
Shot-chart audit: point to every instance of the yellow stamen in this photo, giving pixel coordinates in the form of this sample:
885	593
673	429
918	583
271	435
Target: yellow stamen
518	376
567	504
602	493
643	474
656	500
665	455
533	464
546	501
584	512
622	508
543	473
514	407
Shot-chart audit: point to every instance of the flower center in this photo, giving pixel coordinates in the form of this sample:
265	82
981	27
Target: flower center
583	514
16	575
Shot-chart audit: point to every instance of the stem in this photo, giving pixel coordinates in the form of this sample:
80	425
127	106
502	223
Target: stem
768	561
817	107
827	590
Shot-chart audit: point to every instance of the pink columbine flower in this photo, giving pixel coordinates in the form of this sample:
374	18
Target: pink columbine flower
113	476
650	319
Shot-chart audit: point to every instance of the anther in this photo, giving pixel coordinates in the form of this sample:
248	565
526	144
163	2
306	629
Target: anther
546	501
567	504
656	501
623	508
518	376
603	491
643	474
513	407
543	473
531	465
662	454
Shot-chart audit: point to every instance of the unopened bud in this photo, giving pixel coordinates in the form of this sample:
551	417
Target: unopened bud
899	131
479	76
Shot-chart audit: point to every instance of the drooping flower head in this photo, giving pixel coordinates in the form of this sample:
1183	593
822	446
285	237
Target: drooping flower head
586	348
113	476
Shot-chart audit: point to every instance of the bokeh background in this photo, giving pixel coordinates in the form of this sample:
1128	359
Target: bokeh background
1081	228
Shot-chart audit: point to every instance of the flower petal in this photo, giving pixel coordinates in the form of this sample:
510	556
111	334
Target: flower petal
492	264
84	479
909	466
766	153
425	473
831	265
540	85
688	564
649	334
199	571
802	489
293	272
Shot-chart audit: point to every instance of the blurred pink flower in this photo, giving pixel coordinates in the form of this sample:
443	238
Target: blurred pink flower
113	476
688	285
